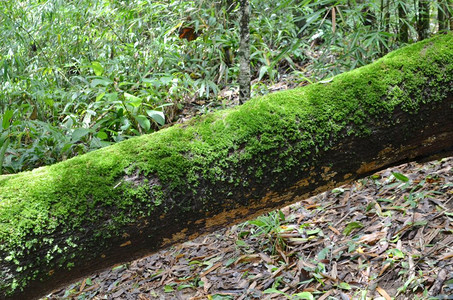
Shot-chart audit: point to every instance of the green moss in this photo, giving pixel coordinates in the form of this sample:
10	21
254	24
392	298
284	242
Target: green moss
233	148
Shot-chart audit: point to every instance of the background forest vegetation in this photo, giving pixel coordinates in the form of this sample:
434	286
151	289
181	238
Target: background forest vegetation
80	75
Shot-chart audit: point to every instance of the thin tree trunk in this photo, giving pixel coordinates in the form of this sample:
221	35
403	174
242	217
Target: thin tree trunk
381	14
244	52
441	15
403	34
386	21
450	12
423	19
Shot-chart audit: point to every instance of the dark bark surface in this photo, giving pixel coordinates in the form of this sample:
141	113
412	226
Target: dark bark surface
63	222
403	30
244	52
423	19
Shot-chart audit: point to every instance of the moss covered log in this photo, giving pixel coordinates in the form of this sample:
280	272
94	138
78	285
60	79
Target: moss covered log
62	222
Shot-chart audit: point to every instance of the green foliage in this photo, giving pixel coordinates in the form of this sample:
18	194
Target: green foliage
269	228
351	226
302	295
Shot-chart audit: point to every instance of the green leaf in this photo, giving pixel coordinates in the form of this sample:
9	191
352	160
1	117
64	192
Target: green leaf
273	291
314	231
3	148
344	286
49	102
97	68
100	81
263	71
338	191
212	21
303	295
166	80
143	122
112	96
195	262
100	96
241	243
221	297
395	253
6	118
351	226
323	253
168	289
257	223
421	223
102	135
66	147
400	177
118	267
157	116
79	133
132	100
384	200
126	123
9	258
230	261
184	286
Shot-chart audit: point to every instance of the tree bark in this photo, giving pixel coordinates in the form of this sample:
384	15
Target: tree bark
385	23
450	13
423	19
441	15
63	222
403	30
244	52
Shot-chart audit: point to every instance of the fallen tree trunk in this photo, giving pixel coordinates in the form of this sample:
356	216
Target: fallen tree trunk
65	221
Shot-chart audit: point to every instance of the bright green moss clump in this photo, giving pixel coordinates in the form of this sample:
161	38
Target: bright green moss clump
263	140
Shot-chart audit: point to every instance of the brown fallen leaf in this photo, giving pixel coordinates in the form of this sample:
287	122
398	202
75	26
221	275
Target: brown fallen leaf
214	267
82	286
248	258
372	238
447	256
207	284
334	230
126	244
386	266
323	297
383	293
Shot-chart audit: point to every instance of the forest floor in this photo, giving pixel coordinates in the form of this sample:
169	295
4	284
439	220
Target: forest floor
388	236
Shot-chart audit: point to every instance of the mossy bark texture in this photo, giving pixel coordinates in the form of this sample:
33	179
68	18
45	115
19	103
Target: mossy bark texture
62	222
